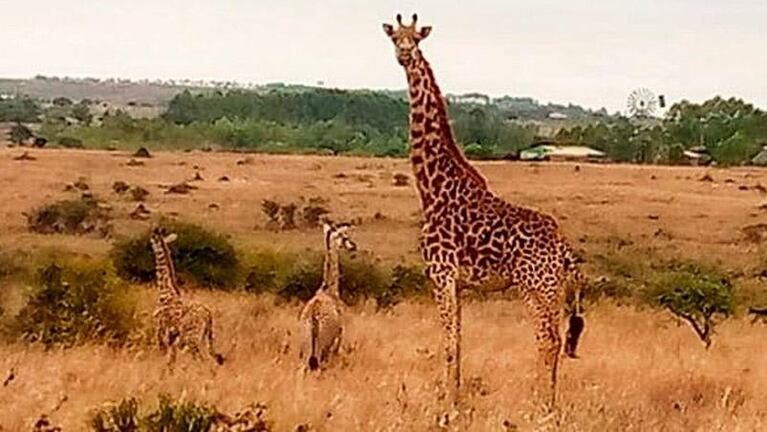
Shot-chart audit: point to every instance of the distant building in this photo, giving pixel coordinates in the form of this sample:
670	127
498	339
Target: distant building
761	158
556	152
469	98
557	116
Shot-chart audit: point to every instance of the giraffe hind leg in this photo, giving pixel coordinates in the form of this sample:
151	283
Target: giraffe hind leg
446	295
545	315
209	338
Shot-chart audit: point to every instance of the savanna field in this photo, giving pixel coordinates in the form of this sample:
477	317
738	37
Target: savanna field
640	369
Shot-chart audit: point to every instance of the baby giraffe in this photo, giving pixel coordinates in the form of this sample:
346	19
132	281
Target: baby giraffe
180	324
322	315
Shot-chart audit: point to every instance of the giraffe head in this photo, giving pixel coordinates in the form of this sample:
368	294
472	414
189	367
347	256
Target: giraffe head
160	238
406	39
337	235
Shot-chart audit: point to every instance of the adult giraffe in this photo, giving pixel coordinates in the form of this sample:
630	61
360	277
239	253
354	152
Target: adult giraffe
471	237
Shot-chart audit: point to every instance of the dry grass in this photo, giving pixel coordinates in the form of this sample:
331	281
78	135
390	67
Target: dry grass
639	370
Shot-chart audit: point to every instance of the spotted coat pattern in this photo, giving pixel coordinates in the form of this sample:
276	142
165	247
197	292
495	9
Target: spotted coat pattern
179	323
322	317
471	237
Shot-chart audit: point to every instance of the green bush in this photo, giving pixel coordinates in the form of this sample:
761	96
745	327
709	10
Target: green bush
19	134
302	279
177	416
265	272
406	282
299	277
206	258
702	297
70	142
120	417
76	302
69	217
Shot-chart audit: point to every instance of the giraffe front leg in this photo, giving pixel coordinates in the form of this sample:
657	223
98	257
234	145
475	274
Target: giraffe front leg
446	294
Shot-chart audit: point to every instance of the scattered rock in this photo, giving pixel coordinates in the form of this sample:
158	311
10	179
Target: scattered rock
246	161
339	175
729	180
653	217
706	178
760	188
140	212
652	177
180	188
25	157
743	187
401	179
120	187
223	178
134	163
142	153
577	168
762	207
214	206
197	177
43	424
756	233
81	184
138	193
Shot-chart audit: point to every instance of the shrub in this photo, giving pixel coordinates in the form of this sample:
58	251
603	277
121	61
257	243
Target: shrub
70	217
406	281
71	142
180	416
176	416
205	257
119	417
302	279
19	134
360	278
265	272
702	297
76	302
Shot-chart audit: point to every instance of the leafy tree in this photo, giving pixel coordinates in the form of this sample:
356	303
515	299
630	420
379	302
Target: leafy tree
19	109
20	134
62	101
701	297
82	113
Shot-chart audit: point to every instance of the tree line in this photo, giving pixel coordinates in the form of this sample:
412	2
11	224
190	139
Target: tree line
730	131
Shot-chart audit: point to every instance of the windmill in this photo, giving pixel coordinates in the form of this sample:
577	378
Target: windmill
643	103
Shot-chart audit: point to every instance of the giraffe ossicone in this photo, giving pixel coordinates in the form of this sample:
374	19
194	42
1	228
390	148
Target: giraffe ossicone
472	237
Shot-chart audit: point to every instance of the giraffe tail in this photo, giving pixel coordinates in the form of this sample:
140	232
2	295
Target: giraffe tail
217	357
314	362
575	321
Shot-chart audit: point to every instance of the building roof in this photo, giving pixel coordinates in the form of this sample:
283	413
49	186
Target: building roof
569	151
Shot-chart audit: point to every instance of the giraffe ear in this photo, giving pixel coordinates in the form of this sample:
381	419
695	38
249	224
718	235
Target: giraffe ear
388	29
171	238
424	32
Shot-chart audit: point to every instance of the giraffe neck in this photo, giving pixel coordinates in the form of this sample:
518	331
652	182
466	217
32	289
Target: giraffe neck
433	149
165	273
330	270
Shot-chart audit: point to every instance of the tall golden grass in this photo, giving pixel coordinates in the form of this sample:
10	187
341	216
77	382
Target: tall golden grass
639	371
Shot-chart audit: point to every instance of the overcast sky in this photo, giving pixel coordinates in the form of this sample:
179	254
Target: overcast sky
585	52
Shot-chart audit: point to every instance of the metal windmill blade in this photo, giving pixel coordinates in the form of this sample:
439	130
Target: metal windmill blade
642	103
